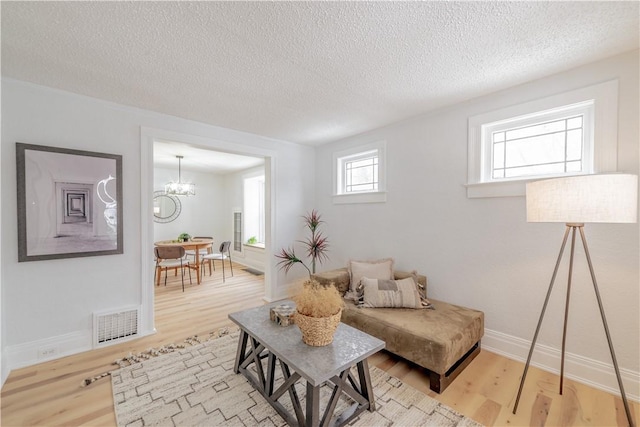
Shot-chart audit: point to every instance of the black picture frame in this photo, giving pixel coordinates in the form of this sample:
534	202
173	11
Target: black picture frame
66	205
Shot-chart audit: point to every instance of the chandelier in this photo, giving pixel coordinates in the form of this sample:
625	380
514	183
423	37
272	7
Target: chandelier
180	188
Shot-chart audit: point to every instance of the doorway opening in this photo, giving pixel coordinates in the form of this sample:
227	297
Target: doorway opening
213	210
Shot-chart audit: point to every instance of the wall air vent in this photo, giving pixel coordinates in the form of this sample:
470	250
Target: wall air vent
115	326
237	231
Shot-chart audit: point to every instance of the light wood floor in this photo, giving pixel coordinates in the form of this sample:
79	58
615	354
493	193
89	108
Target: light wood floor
50	394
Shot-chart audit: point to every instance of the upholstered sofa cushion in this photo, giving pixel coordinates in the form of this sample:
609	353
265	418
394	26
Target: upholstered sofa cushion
435	339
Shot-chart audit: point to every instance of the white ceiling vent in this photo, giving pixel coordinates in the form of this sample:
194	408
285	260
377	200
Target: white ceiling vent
114	326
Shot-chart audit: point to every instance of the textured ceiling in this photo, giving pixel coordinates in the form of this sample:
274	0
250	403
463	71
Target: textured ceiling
307	72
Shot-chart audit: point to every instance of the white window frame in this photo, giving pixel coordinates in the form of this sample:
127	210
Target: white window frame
600	156
254	179
340	196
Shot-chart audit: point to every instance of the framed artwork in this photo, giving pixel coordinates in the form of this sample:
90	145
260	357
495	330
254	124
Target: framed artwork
69	203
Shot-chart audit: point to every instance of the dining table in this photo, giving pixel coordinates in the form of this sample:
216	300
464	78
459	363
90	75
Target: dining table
192	244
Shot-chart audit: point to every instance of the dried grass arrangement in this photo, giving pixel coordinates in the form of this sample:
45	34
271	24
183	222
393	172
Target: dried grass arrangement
318	313
317	300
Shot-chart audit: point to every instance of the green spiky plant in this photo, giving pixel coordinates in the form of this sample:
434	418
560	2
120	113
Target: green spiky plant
315	246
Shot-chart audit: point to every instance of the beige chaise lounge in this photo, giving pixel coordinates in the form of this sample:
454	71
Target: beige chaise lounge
443	340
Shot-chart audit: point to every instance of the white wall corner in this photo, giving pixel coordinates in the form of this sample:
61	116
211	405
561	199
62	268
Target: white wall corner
285	291
578	368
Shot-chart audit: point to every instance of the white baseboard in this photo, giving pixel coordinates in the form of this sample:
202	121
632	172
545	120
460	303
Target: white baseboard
249	264
34	352
252	258
578	368
4	366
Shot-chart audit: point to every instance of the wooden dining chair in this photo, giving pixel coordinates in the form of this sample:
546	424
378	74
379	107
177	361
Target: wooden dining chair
224	253
171	257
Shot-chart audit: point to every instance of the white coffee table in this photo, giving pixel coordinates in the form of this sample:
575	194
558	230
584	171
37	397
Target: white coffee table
260	339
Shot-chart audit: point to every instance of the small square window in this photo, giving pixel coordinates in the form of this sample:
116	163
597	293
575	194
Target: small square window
359	174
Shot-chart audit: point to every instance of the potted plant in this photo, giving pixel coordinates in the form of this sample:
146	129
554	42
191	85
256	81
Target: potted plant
318	307
318	312
184	237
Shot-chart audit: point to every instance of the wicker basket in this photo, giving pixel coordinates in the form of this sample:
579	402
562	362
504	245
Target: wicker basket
317	331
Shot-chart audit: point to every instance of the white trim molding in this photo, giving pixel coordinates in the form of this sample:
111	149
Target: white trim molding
33	352
578	368
5	368
369	197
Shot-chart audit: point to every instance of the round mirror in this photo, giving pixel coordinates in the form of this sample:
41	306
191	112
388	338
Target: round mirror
166	208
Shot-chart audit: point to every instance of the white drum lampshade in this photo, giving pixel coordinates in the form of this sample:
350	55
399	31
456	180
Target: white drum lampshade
609	198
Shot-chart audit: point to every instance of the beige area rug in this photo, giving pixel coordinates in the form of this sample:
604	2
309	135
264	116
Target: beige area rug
196	386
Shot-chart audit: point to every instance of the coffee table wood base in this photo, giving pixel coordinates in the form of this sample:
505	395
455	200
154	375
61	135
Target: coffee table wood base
251	352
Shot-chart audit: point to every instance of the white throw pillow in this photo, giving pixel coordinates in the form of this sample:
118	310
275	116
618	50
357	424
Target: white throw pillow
390	293
380	269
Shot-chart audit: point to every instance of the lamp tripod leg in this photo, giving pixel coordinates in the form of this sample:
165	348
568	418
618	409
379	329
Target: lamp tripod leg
544	308
566	307
606	330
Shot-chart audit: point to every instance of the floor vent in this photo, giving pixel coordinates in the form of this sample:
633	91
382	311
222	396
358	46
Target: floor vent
114	326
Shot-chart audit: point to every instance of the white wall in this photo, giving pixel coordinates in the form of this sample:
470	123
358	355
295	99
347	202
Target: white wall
4	367
204	214
482	253
51	302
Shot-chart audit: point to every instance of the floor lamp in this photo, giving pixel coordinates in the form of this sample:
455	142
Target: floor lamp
606	198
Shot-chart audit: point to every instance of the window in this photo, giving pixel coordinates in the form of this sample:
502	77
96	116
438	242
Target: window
359	174
254	212
567	134
550	143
